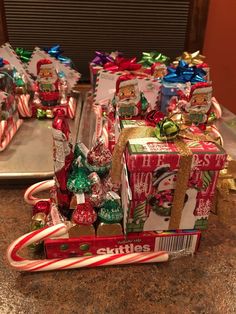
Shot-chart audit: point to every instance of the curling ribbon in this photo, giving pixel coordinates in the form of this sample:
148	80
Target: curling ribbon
24	54
56	52
122	64
192	59
41	113
148	58
184	73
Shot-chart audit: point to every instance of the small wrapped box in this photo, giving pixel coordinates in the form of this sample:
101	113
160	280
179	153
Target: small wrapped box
171	184
176	79
168	90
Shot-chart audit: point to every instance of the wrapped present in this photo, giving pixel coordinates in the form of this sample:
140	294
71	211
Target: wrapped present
167	91
176	80
100	59
53	84
172	183
197	105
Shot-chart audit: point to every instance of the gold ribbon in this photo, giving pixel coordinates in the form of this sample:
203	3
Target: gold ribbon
182	179
226	189
125	135
192	59
226	182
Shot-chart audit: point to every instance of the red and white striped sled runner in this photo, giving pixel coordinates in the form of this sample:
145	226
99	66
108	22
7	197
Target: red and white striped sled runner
22	264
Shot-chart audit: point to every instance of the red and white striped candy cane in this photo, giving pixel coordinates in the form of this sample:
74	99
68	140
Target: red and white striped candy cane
71	107
23	264
23	105
36	188
9	135
3	126
216	107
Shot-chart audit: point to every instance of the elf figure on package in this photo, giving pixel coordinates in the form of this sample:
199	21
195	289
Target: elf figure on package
198	106
48	82
128	99
164	181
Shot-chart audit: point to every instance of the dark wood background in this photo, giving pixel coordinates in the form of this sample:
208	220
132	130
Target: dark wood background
194	38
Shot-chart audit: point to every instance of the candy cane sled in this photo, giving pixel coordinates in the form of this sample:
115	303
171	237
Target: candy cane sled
22	264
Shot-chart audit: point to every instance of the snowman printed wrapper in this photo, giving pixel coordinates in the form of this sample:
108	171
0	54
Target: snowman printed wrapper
152	168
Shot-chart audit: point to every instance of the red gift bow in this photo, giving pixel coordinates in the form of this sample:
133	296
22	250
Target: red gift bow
122	64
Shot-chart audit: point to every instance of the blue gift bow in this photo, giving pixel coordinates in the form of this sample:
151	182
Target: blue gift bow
184	73
56	52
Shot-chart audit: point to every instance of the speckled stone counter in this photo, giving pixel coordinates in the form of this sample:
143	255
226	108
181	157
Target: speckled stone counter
205	283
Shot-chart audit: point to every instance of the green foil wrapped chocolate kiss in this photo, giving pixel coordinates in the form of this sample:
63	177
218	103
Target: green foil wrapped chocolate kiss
111	212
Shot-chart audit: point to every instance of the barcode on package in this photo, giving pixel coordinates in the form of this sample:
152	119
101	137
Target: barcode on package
176	243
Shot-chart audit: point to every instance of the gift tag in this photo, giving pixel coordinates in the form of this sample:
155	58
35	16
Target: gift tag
8	54
71	75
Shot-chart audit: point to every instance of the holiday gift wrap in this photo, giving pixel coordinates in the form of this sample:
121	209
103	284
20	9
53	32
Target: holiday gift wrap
167	91
106	86
161	176
94	69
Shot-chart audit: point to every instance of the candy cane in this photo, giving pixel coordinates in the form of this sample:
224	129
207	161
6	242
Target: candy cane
9	135
105	135
23	264
36	188
216	107
3	126
23	105
71	107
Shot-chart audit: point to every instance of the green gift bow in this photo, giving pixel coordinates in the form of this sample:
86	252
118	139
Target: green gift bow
149	58
42	113
24	54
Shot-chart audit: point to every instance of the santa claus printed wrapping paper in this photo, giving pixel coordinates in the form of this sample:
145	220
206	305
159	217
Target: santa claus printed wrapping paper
107	87
153	166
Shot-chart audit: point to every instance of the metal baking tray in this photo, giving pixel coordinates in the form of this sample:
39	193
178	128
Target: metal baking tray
30	153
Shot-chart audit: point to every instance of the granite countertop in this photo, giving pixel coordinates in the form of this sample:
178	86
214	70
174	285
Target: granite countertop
205	283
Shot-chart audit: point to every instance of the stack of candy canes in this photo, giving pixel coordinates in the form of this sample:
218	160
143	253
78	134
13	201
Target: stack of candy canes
33	84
